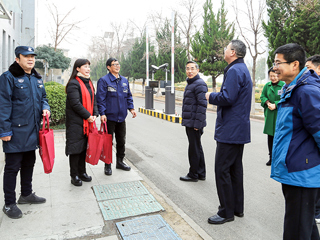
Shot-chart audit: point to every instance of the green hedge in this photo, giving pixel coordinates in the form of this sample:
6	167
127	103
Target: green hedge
57	101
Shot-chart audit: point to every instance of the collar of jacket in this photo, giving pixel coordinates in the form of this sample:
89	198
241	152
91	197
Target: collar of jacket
270	84
238	60
297	81
113	77
191	80
17	71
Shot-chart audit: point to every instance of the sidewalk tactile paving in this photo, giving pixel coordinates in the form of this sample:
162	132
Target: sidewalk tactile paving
151	227
122	200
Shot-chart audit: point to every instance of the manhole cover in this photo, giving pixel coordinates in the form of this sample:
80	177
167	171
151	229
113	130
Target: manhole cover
125	200
151	227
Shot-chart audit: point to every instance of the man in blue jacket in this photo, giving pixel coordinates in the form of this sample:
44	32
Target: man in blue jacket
114	99
23	101
194	109
232	132
296	144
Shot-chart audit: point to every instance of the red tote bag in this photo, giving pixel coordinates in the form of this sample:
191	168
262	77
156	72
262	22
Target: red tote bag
94	146
46	143
106	153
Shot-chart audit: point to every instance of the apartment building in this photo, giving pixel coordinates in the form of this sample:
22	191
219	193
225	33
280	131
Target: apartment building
17	26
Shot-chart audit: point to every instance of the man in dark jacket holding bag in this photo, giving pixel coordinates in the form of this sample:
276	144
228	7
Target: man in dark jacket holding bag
232	132
23	101
114	99
194	119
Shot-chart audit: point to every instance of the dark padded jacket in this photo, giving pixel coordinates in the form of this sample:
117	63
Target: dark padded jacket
194	103
22	99
76	141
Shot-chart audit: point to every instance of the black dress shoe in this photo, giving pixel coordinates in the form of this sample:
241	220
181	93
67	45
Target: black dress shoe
202	178
235	213
268	163
76	181
239	214
107	169
188	179
84	177
216	219
121	165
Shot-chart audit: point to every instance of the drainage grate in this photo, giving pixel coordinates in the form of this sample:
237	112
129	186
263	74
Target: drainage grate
151	227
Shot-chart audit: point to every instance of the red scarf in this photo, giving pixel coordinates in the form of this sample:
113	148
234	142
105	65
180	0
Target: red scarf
87	102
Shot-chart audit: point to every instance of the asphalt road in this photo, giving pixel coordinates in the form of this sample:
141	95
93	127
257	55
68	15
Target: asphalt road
158	148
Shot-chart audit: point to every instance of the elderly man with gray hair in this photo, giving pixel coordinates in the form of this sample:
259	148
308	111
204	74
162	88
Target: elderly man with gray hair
232	132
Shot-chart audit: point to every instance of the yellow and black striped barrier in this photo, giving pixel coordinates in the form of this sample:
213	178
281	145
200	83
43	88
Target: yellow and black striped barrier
157	114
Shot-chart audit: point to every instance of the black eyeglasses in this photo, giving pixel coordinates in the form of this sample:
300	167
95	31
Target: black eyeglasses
115	64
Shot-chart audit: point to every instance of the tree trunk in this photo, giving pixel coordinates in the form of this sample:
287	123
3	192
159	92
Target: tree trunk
253	99
214	89
214	84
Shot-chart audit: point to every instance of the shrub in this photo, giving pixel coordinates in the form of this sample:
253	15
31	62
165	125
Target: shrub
257	90
50	83
257	98
57	101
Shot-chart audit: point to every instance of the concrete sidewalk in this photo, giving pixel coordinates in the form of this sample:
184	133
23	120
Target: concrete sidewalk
73	212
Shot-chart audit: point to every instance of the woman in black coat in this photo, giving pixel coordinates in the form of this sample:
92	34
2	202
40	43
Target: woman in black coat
80	112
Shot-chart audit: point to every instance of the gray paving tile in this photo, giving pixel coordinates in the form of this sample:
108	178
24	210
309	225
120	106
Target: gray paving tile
150	227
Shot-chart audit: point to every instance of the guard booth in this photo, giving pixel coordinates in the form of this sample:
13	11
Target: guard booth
149	94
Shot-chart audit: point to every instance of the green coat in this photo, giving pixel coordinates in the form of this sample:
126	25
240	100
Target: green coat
271	93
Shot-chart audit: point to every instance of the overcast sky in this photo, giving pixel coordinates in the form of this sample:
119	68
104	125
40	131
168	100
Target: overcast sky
98	14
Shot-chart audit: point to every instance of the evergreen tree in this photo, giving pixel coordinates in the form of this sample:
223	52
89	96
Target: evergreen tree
56	59
293	21
163	39
208	43
98	70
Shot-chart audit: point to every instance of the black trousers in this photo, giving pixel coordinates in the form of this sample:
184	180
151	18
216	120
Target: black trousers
299	222
77	164
195	153
14	162
318	208
270	145
229	178
118	130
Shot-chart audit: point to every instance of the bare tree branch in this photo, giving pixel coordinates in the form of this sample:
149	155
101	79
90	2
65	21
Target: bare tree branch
61	28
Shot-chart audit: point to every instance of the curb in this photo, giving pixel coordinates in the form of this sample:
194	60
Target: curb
156	113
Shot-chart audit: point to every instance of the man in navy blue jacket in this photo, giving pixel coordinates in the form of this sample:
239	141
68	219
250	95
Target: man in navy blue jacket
194	119
232	132
23	101
114	99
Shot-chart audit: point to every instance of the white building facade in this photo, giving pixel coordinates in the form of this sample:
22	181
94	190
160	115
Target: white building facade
17	26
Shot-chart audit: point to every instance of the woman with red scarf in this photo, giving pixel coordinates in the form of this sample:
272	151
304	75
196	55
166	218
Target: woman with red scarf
81	109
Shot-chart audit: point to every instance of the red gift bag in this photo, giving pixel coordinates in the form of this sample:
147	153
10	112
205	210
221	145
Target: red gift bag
106	153
46	143
94	146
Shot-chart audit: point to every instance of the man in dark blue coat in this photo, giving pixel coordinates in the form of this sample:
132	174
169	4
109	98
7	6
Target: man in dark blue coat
232	132
114	99
194	119
23	101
